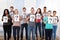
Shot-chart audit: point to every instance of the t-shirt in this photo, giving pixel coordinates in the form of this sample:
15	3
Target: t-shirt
11	13
24	16
31	20
48	25
38	18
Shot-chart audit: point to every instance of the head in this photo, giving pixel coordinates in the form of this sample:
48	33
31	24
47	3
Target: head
24	9
38	10
32	10
15	11
45	9
49	12
11	8
54	12
6	12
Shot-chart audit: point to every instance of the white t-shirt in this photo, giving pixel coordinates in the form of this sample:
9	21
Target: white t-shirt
38	16
5	19
16	18
32	18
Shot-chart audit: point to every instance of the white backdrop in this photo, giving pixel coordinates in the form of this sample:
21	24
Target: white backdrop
50	4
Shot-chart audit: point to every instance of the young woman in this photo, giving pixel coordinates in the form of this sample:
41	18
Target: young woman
16	24
7	23
48	27
31	24
55	24
38	21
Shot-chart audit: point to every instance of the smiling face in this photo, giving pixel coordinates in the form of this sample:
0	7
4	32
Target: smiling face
16	11
54	13
32	10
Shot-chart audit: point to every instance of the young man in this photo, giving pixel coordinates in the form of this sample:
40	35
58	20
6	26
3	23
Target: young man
56	20
43	24
24	23
31	24
11	11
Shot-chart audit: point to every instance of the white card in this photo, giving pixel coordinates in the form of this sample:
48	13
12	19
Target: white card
5	19
38	16
54	19
50	20
32	18
16	18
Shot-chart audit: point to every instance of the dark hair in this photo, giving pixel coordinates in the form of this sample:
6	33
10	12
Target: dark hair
54	11
45	7
4	12
24	8
32	7
49	11
11	7
39	12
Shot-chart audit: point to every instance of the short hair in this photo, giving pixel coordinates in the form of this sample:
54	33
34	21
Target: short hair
54	11
45	7
49	11
11	7
24	7
32	7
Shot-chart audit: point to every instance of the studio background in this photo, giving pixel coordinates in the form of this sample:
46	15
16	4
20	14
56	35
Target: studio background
19	4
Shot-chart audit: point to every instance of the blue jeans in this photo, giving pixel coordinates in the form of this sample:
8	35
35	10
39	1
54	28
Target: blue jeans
54	32
16	30
31	29
38	25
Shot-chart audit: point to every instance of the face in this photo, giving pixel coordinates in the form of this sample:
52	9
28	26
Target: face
54	13
6	12
49	13
32	10
16	11
24	10
38	11
44	9
11	9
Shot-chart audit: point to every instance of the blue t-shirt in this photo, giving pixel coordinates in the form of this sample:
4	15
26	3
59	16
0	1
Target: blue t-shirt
48	26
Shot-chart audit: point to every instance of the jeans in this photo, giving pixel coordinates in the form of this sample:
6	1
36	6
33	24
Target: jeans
16	30
38	25
54	32
48	34
31	29
25	25
7	29
43	29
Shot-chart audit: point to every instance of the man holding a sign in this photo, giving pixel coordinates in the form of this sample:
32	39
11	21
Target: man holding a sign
31	24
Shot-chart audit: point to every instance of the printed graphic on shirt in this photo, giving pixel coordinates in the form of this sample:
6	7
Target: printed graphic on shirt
50	20
32	18
38	16
5	19
16	18
24	15
54	19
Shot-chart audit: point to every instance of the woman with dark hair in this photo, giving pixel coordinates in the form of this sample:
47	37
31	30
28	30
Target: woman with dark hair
38	21
7	22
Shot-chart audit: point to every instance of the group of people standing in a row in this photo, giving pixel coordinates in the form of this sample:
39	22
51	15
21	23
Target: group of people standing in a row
13	20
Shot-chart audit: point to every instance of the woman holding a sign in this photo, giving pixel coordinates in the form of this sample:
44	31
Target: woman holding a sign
48	27
38	21
16	24
7	22
55	21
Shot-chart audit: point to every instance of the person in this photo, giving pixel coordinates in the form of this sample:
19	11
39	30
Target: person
31	24
11	11
48	26
43	24
7	22
38	21
55	25
16	24
24	23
